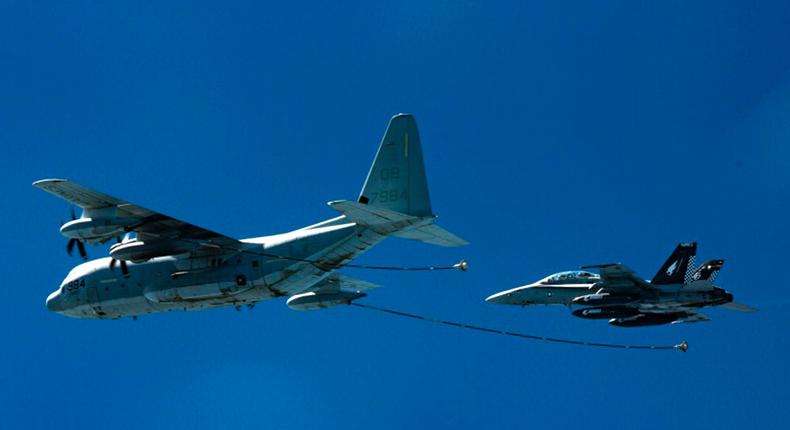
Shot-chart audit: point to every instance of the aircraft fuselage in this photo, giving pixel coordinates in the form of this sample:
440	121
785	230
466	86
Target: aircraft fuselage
703	294
270	267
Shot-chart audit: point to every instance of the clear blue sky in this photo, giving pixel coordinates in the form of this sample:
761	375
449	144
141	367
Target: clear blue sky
555	134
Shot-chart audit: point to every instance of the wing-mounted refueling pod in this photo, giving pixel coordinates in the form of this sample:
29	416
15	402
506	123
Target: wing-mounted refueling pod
335	290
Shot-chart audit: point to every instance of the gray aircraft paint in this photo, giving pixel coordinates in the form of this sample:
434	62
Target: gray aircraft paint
669	298
393	201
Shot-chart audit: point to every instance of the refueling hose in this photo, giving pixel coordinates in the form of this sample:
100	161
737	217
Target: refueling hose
462	265
682	346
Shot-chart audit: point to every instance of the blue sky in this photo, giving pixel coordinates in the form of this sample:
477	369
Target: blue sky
555	134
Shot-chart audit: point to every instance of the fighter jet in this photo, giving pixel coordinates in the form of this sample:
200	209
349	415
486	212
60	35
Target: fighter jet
616	293
164	264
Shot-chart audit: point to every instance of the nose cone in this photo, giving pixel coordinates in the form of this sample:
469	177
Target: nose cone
498	298
54	302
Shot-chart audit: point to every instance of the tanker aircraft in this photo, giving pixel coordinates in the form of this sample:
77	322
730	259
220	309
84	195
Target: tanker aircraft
164	264
617	294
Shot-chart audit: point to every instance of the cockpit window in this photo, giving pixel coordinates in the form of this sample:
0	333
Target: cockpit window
572	277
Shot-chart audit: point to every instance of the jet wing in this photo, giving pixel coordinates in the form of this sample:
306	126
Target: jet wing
618	276
146	223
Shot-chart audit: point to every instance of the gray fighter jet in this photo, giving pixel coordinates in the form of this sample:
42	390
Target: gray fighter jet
164	264
616	294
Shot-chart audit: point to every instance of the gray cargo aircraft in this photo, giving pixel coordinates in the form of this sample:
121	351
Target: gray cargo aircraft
164	264
616	294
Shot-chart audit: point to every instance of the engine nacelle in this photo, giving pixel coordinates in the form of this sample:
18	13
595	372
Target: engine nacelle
312	300
95	229
138	250
605	312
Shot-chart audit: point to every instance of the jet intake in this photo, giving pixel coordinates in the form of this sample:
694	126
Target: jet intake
313	300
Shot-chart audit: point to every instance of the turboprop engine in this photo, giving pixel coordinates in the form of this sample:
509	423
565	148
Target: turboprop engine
141	250
95	229
313	300
96	225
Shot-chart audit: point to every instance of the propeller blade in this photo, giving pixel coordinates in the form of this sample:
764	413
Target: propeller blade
81	249
124	266
70	246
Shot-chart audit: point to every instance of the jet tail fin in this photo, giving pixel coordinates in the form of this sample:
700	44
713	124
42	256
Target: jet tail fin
395	200
396	180
708	271
675	269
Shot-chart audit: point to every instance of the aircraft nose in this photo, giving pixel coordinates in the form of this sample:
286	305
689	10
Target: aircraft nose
54	303
498	298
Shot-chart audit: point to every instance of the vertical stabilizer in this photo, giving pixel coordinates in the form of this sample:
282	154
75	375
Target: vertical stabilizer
708	271
396	180
675	268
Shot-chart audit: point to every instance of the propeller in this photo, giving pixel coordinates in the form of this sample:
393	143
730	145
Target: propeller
78	242
122	263
80	248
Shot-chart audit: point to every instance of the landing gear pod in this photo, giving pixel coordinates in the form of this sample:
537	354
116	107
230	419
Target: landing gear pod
312	300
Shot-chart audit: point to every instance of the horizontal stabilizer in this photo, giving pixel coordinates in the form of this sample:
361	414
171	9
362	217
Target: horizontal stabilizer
739	307
432	234
398	224
371	216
